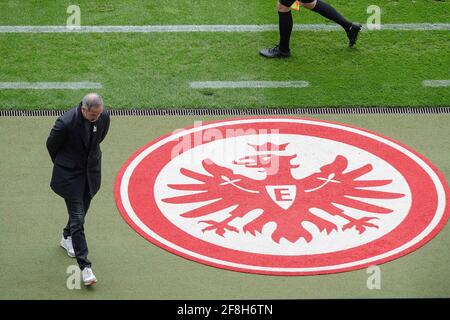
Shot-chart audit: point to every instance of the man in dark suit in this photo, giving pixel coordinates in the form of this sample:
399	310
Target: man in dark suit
74	147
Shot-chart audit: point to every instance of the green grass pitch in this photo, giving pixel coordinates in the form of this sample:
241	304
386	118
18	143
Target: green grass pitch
129	267
154	70
385	69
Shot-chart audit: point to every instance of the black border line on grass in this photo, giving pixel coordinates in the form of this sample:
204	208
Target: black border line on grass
239	112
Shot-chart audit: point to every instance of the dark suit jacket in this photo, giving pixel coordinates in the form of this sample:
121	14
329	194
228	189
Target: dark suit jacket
74	162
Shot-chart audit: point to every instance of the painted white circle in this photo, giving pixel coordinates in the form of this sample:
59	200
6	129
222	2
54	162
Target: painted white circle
312	153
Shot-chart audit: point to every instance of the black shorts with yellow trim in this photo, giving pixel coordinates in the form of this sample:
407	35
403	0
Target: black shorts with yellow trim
289	3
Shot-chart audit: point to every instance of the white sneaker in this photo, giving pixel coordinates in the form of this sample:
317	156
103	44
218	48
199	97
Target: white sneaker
67	244
88	277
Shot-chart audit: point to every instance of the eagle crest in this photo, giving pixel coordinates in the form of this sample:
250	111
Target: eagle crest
285	200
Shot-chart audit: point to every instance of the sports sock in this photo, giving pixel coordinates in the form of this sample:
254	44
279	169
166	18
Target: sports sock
285	24
331	13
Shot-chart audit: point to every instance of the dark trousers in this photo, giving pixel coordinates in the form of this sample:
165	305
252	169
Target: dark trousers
77	210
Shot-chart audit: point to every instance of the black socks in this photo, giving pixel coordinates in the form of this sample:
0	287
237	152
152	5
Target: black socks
323	8
331	13
285	25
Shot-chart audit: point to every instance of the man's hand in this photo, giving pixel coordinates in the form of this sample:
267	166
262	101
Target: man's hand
56	139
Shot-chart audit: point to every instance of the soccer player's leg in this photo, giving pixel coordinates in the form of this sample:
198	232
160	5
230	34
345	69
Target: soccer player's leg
329	12
285	23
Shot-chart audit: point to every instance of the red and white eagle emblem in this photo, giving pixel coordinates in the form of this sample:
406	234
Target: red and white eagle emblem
284	199
283	196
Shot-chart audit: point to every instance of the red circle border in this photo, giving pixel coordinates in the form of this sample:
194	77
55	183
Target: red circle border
251	256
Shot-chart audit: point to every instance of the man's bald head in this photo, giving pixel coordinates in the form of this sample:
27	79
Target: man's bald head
92	106
92	100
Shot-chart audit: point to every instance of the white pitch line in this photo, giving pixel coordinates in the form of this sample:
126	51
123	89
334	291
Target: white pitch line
436	83
49	85
211	28
247	84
